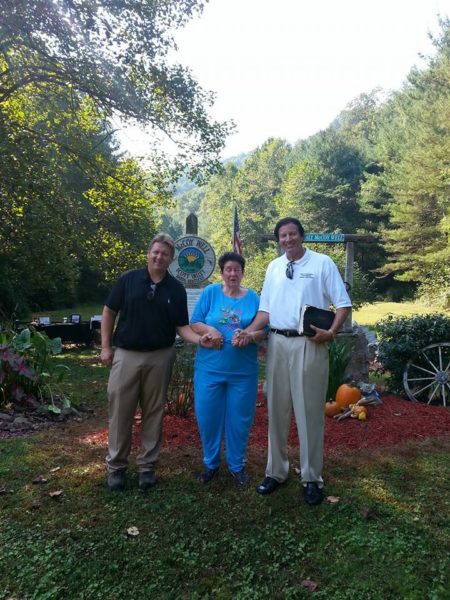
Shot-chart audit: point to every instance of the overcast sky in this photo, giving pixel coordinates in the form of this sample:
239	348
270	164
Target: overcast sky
286	68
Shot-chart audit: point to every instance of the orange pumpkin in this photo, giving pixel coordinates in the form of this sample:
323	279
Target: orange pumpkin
347	394
332	408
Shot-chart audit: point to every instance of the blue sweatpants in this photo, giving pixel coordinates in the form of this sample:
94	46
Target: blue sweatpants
224	404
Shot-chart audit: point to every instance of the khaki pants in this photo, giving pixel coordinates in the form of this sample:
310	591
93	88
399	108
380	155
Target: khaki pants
297	375
137	379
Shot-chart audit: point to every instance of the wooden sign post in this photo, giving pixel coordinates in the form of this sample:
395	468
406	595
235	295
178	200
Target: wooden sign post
336	238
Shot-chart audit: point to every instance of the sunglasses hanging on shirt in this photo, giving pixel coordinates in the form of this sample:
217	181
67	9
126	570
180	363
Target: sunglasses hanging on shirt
290	270
152	291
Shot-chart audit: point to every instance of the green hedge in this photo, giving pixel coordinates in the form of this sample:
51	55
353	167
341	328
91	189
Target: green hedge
399	338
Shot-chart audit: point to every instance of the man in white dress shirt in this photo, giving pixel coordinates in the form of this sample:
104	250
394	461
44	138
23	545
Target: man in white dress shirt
297	366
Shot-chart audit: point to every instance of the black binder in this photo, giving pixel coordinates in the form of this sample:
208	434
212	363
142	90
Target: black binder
310	315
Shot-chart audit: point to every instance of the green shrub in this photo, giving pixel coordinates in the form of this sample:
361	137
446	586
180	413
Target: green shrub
399	338
435	287
339	356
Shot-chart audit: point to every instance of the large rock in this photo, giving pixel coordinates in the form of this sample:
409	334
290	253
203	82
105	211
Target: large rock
356	341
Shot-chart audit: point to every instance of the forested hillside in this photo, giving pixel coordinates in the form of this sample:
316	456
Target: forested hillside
381	168
75	212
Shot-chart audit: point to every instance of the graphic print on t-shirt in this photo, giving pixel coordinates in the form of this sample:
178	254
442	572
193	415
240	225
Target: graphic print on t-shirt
230	317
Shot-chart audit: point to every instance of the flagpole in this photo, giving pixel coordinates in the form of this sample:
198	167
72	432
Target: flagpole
236	239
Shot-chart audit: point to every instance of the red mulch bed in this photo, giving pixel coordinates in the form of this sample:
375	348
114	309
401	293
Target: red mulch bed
394	422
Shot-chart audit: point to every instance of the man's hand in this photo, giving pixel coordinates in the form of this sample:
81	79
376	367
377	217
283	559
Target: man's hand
210	337
107	326
106	356
322	335
328	335
209	340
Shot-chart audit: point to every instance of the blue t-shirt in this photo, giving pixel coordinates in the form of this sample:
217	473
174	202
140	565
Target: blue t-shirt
227	314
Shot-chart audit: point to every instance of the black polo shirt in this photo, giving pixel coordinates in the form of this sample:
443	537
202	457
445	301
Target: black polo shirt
145	324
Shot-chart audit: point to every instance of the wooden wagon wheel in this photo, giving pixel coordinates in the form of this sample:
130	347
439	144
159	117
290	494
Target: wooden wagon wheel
427	376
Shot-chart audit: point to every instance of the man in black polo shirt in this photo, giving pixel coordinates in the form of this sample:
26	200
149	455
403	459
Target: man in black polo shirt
152	307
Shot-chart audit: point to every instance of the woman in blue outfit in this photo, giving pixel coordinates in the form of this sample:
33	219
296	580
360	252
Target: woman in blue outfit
226	379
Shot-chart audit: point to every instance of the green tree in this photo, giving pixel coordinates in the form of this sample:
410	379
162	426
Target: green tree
255	187
322	188
117	54
216	217
122	221
417	237
73	211
358	122
173	218
54	227
252	187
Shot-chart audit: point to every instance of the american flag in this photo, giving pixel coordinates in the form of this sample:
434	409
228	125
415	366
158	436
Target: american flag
236	241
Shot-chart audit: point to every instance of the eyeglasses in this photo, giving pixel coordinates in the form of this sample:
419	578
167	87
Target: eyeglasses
290	270
152	291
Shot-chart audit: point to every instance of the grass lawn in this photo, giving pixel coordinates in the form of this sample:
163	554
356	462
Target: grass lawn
386	537
367	315
371	313
85	310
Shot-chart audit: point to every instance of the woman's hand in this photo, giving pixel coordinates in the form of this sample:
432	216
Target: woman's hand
242	338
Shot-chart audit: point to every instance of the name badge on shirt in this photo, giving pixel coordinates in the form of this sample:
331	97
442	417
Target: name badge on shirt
306	275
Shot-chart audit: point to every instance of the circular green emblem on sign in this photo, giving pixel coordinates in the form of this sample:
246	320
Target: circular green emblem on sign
191	260
194	260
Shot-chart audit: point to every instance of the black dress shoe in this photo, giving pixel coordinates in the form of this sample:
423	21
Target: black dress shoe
312	493
116	480
147	480
267	486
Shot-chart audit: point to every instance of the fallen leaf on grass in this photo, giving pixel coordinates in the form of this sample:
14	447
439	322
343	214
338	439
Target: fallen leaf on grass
333	499
54	469
55	494
39	479
133	531
310	584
